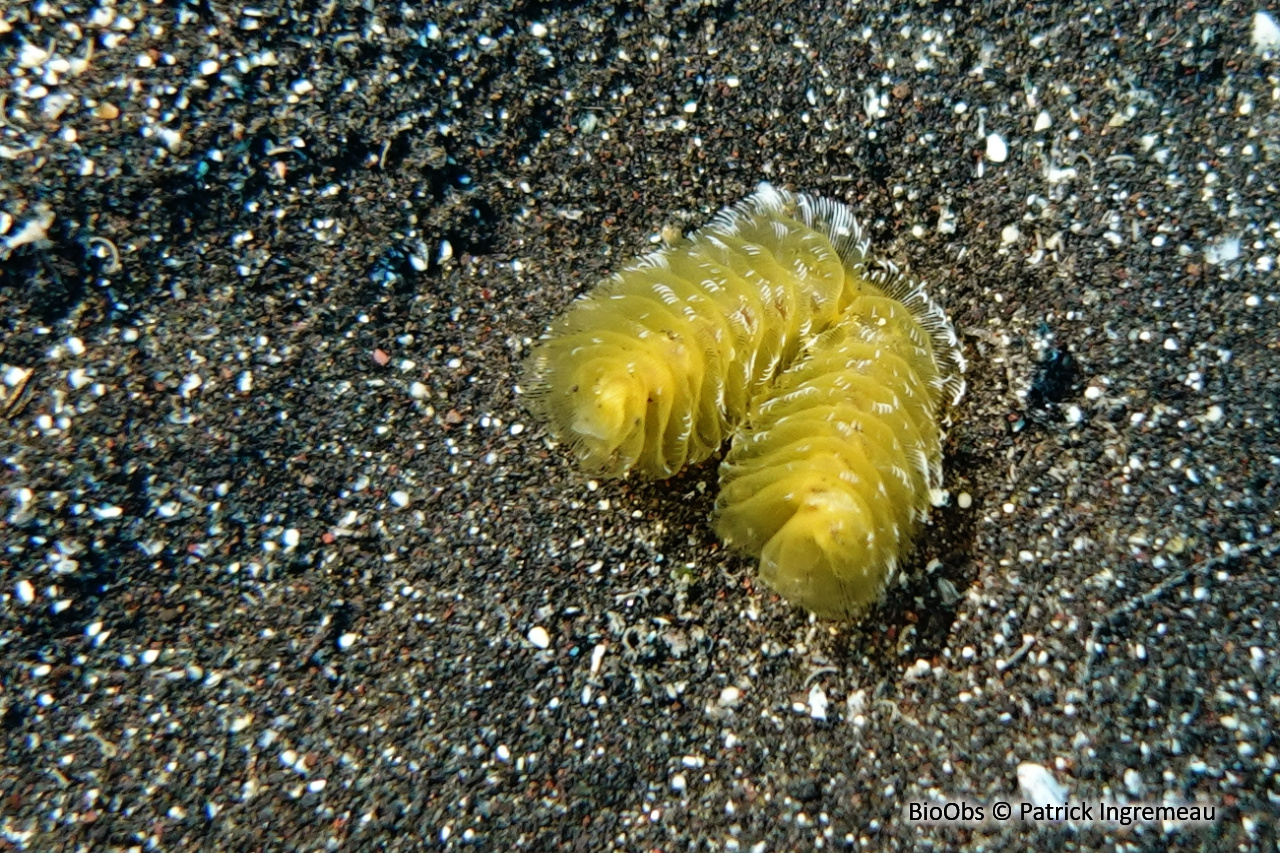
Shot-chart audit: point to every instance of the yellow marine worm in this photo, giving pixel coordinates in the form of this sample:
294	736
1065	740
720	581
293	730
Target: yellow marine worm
832	474
768	325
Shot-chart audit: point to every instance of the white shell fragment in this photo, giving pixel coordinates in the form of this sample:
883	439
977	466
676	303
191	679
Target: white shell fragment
817	703
1224	250
997	150
1038	785
1266	34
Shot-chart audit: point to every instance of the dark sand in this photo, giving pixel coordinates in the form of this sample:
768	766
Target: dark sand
279	536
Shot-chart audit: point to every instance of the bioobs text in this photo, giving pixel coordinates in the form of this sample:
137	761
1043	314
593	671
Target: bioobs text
946	813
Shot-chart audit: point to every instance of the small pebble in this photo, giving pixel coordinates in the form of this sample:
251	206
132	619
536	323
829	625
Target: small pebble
997	151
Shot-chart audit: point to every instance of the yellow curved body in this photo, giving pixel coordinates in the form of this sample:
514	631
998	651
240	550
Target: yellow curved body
767	325
830	478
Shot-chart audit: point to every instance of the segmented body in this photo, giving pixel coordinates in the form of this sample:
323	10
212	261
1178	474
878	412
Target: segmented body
831	476
767	325
654	368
